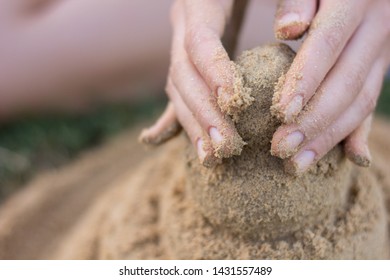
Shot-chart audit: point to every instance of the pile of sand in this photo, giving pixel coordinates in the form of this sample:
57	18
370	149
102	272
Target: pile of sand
171	207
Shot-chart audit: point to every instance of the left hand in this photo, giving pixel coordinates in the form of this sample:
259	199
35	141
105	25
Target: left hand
333	85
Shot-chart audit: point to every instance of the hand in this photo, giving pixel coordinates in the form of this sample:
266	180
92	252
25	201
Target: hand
334	82
201	76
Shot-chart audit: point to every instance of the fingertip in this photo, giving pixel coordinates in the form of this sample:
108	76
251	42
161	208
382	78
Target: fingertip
290	27
361	160
290	167
225	141
229	146
300	163
144	136
215	135
149	137
356	144
234	97
205	154
359	154
165	128
278	142
211	161
293	108
201	149
288	113
287	104
293	18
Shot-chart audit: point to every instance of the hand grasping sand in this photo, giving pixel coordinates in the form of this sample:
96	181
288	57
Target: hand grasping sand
333	85
201	75
327	95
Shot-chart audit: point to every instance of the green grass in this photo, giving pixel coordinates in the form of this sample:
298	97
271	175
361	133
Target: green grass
38	143
383	107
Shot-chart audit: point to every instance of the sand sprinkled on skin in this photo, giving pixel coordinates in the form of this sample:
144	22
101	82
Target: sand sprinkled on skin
231	98
155	140
251	198
288	81
241	98
245	208
251	192
292	31
248	207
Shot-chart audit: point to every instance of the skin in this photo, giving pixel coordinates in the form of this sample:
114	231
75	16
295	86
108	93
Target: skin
52	46
66	55
198	76
340	87
329	92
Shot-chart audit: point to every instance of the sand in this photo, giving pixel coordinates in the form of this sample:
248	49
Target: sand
252	192
168	206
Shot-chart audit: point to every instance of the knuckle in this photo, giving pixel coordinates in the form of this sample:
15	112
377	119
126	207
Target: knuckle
309	84
200	112
197	36
329	139
192	38
312	124
354	79
322	145
369	102
333	40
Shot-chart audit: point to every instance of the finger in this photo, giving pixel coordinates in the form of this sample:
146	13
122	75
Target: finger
293	17
331	29
197	97
166	127
356	144
337	92
199	100
200	140
204	28
362	107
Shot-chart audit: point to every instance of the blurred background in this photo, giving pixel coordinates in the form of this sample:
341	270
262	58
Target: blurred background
36	142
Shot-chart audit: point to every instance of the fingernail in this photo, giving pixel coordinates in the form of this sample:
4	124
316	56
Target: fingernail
289	145
222	94
304	160
201	152
288	19
215	135
293	108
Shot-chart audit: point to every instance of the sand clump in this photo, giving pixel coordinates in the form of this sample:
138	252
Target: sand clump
172	207
251	194
252	198
247	207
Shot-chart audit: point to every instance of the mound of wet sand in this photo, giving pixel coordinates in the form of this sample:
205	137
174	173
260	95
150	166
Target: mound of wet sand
171	207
